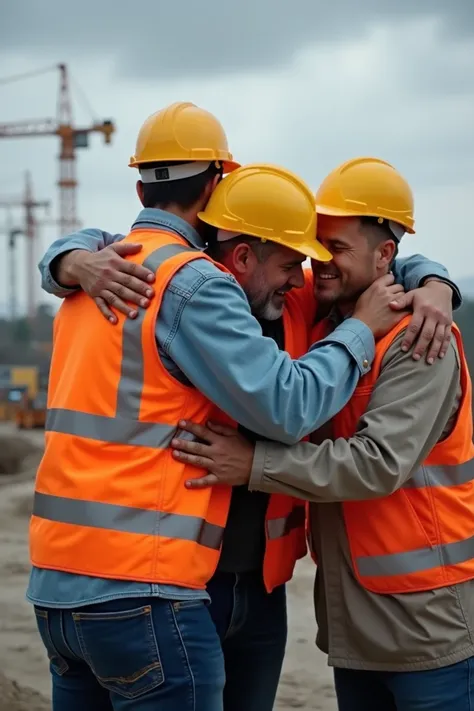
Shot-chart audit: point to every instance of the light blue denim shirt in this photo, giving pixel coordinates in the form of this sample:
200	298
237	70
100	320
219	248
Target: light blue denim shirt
207	336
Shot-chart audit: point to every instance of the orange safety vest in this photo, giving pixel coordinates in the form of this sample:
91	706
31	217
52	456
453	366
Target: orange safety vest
421	537
110	499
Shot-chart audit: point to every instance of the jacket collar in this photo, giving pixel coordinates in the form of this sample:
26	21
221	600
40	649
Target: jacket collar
153	218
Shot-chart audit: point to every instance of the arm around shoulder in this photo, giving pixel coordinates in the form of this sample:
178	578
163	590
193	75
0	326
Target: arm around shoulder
407	414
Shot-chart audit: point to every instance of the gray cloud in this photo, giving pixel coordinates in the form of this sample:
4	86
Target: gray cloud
185	38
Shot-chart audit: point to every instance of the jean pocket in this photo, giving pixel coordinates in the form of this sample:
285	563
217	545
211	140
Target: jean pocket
121	649
57	662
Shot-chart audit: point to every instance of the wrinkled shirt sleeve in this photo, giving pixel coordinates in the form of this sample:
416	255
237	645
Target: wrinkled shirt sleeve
206	328
90	240
413	271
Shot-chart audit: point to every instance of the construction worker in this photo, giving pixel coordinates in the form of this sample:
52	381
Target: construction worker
251	622
121	551
390	478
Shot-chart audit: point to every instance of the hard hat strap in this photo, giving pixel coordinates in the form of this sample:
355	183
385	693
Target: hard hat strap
167	173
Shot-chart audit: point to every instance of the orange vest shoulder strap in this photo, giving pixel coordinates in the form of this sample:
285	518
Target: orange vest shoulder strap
167	258
383	344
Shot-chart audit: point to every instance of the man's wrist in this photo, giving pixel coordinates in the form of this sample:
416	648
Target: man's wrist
66	267
455	293
258	466
437	280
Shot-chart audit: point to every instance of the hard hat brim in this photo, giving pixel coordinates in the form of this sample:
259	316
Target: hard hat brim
313	250
227	165
230	165
341	212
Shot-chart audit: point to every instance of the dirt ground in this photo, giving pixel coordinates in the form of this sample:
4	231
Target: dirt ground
306	681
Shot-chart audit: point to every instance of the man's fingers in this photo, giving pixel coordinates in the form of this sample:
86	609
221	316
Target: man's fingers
194	459
185	445
198	430
125	294
446	341
427	334
203	482
124	248
136	270
118	304
385	280
412	332
402	301
104	310
223	430
436	344
140	288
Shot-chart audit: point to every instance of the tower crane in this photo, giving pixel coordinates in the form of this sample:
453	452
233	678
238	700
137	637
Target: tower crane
29	230
71	138
12	233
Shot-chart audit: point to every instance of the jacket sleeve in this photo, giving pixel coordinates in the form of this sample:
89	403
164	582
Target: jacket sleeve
206	329
91	240
408	412
413	271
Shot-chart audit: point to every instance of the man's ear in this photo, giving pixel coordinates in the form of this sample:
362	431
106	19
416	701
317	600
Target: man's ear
139	187
242	260
386	253
210	187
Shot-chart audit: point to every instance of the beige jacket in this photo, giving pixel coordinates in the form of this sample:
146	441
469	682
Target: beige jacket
412	407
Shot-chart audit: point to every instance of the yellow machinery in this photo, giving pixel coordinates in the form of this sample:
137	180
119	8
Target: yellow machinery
31	412
18	385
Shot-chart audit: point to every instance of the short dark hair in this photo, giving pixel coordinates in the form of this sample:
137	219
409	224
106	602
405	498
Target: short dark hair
220	250
377	232
184	193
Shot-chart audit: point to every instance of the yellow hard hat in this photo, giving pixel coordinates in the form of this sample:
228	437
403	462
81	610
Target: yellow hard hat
268	202
182	132
367	186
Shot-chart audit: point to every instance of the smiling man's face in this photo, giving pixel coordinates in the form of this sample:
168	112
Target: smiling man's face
269	280
359	257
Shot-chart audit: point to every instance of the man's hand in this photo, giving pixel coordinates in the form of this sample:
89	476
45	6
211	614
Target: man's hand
109	278
432	318
373	306
228	456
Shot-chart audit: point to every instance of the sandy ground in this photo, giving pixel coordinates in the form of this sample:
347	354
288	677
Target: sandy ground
306	682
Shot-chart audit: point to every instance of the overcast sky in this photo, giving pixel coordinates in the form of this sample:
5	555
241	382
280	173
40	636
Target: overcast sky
302	83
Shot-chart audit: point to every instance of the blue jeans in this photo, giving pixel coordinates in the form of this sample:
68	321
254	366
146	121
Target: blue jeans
447	689
142	654
252	626
150	653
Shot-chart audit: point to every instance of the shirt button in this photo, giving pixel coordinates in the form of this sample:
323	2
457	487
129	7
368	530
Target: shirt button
365	363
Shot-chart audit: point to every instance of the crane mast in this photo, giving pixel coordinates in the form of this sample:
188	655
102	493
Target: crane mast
29	230
71	139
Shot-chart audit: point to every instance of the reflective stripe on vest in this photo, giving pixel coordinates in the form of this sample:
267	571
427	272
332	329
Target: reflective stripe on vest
279	527
441	475
418	560
127	519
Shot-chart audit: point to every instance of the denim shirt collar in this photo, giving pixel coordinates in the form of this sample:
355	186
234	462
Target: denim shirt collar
153	218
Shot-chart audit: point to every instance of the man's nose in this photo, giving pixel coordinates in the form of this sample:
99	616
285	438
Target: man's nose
296	280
